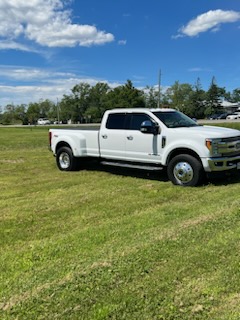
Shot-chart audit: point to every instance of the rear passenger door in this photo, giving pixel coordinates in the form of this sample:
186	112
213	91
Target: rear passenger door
112	139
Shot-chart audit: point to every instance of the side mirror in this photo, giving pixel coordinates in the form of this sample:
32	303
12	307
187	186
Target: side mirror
149	127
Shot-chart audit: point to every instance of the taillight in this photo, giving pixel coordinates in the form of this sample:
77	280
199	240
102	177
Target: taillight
50	138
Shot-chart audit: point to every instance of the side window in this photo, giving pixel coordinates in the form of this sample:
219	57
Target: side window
137	119
116	121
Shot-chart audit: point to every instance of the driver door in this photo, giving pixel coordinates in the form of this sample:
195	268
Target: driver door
141	147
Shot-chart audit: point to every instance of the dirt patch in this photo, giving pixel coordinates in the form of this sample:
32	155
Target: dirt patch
12	161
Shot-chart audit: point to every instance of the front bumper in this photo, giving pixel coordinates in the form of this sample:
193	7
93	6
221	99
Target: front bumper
223	164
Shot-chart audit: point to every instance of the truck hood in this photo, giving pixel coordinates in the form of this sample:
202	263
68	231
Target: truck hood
209	131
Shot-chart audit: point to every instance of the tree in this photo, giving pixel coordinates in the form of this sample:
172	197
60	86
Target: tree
214	97
53	110
125	96
74	106
33	112
20	113
179	96
151	97
97	102
41	109
66	108
47	108
8	116
87	103
1	114
80	101
133	97
235	95
197	101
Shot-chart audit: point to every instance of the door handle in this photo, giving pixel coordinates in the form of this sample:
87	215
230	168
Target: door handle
104	136
130	137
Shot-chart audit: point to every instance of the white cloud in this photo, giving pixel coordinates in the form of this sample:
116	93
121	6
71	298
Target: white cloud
122	42
210	20
26	94
47	23
198	69
33	93
9	44
33	74
43	84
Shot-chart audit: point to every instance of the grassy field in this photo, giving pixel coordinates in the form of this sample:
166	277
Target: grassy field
97	244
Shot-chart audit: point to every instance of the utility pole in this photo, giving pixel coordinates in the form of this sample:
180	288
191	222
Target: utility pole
58	112
159	88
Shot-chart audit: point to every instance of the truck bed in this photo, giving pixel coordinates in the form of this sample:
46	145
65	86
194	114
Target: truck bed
84	143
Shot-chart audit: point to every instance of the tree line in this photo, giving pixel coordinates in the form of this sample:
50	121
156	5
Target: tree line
87	103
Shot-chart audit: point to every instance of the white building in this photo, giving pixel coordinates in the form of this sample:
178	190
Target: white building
229	106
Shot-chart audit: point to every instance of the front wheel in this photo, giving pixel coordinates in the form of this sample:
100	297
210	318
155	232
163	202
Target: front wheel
66	160
185	170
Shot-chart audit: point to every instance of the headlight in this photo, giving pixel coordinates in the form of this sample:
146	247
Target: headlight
213	146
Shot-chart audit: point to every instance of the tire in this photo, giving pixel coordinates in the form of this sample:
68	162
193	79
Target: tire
185	170
66	160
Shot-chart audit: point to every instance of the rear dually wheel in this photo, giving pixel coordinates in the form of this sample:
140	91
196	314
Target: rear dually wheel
66	160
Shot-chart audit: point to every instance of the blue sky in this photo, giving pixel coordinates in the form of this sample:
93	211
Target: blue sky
48	46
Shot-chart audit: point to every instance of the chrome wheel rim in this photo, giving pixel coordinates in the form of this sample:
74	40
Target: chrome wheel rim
64	160
183	172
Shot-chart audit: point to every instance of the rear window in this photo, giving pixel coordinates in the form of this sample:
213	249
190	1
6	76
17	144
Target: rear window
116	121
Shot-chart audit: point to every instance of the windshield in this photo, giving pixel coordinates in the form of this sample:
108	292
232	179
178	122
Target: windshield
175	119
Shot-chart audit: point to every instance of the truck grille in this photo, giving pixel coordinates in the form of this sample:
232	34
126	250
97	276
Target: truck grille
229	146
231	139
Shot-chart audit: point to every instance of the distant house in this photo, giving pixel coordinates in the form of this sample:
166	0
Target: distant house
229	106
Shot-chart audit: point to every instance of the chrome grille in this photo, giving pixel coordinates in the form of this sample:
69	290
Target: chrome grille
229	146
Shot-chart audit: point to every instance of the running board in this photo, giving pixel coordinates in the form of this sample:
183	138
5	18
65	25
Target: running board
132	165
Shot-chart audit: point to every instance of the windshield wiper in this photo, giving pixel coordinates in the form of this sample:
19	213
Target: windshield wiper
186	125
193	125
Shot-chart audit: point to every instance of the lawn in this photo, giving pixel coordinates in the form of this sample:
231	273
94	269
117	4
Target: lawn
104	244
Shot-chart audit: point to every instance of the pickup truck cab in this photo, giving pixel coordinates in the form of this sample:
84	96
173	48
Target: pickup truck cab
151	139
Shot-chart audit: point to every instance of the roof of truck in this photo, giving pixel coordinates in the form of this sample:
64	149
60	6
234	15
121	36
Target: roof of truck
141	110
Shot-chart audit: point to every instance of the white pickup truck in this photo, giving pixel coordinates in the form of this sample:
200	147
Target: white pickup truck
151	139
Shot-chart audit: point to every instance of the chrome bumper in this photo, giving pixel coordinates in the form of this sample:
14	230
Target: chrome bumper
223	164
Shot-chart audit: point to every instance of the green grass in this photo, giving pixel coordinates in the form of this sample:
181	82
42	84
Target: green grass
100	245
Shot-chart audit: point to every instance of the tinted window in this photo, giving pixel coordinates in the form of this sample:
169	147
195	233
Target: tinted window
116	121
137	120
175	119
